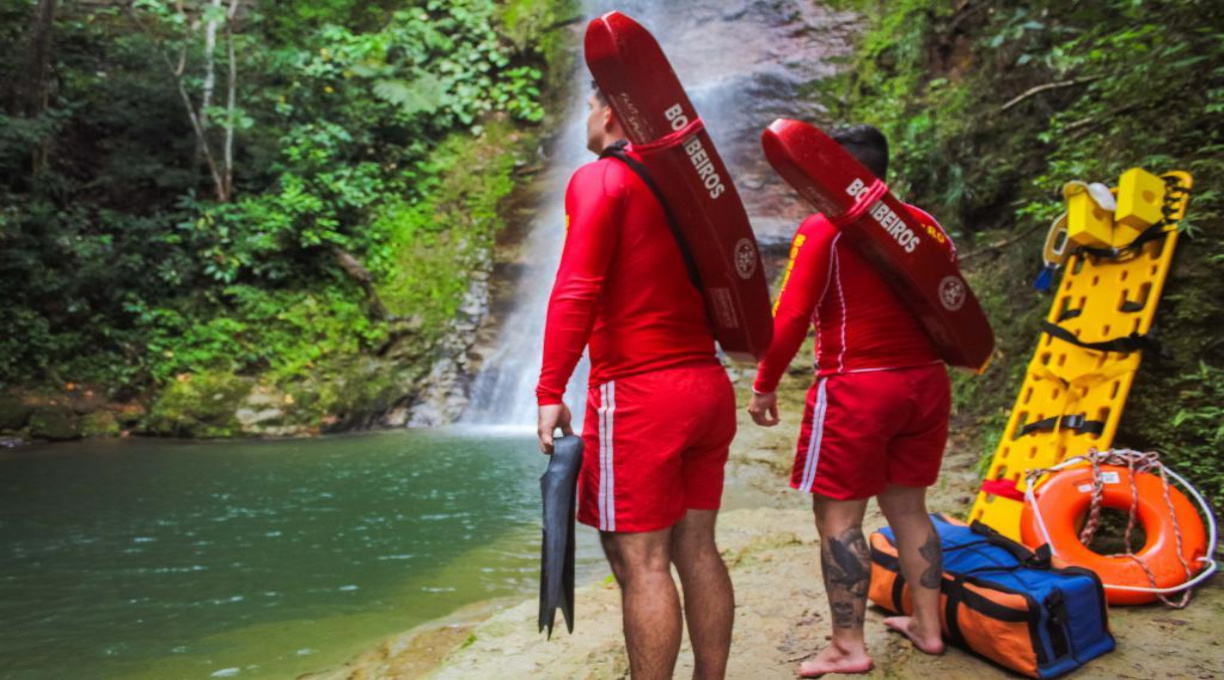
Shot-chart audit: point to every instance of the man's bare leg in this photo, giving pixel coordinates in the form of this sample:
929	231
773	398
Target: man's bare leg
921	564
709	602
846	566
641	563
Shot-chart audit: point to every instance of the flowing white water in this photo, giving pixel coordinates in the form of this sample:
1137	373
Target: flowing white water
504	391
742	63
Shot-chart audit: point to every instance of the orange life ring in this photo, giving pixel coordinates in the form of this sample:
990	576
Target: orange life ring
1064	501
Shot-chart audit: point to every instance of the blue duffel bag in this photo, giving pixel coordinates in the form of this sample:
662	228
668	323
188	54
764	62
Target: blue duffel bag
1003	601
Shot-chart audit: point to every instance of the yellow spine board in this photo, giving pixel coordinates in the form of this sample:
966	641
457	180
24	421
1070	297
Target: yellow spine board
1114	299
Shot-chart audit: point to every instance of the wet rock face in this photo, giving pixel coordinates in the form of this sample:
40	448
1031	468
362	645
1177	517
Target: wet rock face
56	424
75	412
444	394
263	413
14	413
199	405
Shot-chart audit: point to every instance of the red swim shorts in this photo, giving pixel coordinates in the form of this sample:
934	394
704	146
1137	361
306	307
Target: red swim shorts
864	431
655	445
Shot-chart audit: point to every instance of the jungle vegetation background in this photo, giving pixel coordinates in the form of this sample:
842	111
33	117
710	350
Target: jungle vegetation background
247	187
991	106
204	189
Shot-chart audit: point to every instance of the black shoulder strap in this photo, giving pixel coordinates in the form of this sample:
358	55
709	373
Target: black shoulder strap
617	151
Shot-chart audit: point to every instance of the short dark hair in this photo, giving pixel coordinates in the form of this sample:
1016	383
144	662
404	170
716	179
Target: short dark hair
599	95
868	145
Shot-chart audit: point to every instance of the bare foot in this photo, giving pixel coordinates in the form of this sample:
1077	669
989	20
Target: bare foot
928	642
834	659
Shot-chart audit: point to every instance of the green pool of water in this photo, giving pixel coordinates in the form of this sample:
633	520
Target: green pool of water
153	559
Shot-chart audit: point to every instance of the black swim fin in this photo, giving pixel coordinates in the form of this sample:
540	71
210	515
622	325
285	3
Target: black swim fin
559	486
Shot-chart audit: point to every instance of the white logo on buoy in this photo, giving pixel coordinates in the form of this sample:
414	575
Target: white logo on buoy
745	258
892	223
952	293
857	188
696	153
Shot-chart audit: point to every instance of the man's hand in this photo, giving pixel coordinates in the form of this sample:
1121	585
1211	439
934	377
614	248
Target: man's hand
764	408
553	416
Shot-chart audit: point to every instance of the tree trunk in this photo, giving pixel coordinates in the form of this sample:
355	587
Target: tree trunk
29	92
231	101
218	181
210	62
196	116
27	97
357	271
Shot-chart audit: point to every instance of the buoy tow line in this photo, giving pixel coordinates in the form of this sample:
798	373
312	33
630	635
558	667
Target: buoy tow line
1131	465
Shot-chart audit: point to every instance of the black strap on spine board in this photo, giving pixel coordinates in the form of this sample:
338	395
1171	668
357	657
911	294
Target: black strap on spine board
1126	344
1078	423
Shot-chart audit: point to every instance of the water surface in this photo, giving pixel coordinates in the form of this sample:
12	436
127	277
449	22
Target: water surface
155	559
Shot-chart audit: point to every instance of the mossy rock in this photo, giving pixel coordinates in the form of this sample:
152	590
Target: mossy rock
56	424
130	415
14	413
100	424
351	392
199	405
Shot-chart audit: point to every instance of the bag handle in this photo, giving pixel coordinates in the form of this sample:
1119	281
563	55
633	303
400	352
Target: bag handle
994	538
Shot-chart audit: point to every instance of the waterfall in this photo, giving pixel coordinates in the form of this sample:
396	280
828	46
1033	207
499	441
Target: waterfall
504	391
743	63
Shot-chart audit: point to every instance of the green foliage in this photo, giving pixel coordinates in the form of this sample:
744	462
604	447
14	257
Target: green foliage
1196	432
100	424
293	18
529	24
431	246
383	131
278	333
991	107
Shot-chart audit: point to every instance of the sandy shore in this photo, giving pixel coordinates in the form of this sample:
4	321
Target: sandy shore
781	611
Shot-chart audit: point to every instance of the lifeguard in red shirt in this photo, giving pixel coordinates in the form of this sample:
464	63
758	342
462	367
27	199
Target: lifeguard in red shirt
875	424
660	409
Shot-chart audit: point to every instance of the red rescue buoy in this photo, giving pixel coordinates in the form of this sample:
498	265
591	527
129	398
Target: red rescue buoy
664	129
1064	500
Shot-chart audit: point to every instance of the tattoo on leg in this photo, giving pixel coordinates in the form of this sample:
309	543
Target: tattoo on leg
846	568
845	562
930	551
843	615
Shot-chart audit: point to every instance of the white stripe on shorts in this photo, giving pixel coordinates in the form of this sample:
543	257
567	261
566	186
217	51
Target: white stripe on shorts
813	454
607	485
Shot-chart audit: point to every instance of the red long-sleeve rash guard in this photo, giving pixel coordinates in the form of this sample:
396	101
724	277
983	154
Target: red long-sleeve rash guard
860	323
622	285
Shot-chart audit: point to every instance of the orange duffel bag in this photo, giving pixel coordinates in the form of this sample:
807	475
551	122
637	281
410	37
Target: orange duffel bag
1002	601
